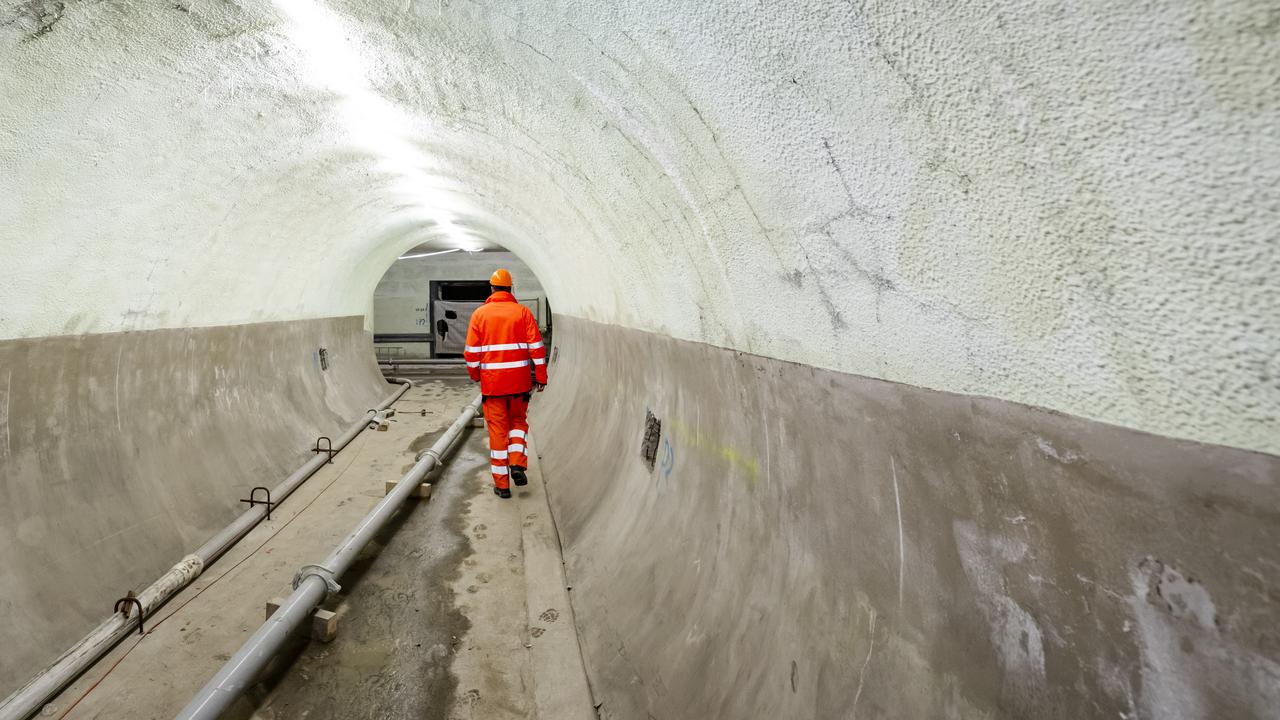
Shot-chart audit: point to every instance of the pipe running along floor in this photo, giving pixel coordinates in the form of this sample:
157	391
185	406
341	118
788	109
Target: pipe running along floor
457	611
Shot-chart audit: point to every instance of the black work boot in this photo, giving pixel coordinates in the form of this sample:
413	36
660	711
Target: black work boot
503	493
517	474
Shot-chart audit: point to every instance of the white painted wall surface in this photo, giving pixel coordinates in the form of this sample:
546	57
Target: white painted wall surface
1069	205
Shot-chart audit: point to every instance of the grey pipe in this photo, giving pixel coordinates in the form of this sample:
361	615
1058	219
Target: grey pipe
27	700
311	585
216	546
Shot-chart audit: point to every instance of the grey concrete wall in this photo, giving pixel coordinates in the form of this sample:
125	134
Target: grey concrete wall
812	544
120	453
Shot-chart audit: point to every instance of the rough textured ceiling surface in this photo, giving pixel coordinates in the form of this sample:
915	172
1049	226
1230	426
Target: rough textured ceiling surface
1072	205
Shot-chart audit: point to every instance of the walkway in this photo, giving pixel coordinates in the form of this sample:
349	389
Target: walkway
458	611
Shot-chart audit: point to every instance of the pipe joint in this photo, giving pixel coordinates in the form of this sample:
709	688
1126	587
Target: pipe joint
320	571
379	420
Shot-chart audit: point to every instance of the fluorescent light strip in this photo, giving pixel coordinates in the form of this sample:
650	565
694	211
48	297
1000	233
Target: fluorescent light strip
438	252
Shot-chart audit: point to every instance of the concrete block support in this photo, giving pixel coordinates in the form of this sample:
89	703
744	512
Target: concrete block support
422	493
324	623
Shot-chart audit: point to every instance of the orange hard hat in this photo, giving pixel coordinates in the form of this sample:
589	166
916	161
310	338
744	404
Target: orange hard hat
500	278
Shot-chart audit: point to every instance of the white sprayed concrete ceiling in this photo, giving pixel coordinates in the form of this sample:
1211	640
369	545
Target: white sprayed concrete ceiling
1072	205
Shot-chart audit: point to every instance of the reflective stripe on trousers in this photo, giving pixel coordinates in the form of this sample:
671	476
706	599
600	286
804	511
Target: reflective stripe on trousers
505	416
517	438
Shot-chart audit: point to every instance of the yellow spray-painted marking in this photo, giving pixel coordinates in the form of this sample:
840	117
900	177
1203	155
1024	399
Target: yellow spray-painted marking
748	464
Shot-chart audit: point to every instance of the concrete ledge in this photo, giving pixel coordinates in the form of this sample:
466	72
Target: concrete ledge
560	688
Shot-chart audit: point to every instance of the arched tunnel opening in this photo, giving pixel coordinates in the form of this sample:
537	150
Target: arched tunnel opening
907	362
423	303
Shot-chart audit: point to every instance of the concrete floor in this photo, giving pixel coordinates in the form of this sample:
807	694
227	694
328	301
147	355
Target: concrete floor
457	611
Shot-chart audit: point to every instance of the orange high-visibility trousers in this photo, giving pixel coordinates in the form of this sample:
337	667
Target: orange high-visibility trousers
506	418
518	432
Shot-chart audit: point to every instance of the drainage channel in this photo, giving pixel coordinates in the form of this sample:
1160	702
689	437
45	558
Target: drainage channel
313	583
132	610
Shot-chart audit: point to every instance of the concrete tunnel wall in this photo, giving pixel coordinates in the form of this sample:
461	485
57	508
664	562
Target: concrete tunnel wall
123	452
1070	208
815	544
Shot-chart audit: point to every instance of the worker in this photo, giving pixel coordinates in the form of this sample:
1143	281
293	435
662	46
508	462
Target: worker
503	345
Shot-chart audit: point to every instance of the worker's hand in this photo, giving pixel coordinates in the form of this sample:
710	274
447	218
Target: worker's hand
539	387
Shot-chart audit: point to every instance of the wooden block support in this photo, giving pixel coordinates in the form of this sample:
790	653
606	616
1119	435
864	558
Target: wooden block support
477	421
324	623
423	491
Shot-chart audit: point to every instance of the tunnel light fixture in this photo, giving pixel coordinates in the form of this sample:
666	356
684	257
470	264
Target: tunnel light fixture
422	255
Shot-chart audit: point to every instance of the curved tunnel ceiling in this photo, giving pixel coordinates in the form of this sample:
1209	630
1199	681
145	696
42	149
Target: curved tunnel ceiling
1069	206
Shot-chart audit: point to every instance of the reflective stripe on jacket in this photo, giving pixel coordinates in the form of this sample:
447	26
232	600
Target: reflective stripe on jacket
503	343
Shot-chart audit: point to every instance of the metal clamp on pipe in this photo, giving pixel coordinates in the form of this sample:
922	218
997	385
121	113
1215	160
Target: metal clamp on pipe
328	448
254	501
379	421
320	571
131	600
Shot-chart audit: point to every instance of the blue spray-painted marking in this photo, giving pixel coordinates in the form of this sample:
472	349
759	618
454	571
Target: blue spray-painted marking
668	458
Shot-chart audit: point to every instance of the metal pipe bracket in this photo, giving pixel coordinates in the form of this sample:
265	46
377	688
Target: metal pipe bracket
379	421
125	602
320	571
253	499
328	449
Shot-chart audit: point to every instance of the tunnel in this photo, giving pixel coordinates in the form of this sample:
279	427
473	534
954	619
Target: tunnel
907	360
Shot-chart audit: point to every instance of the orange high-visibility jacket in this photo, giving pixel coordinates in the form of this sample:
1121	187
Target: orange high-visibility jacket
502	343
